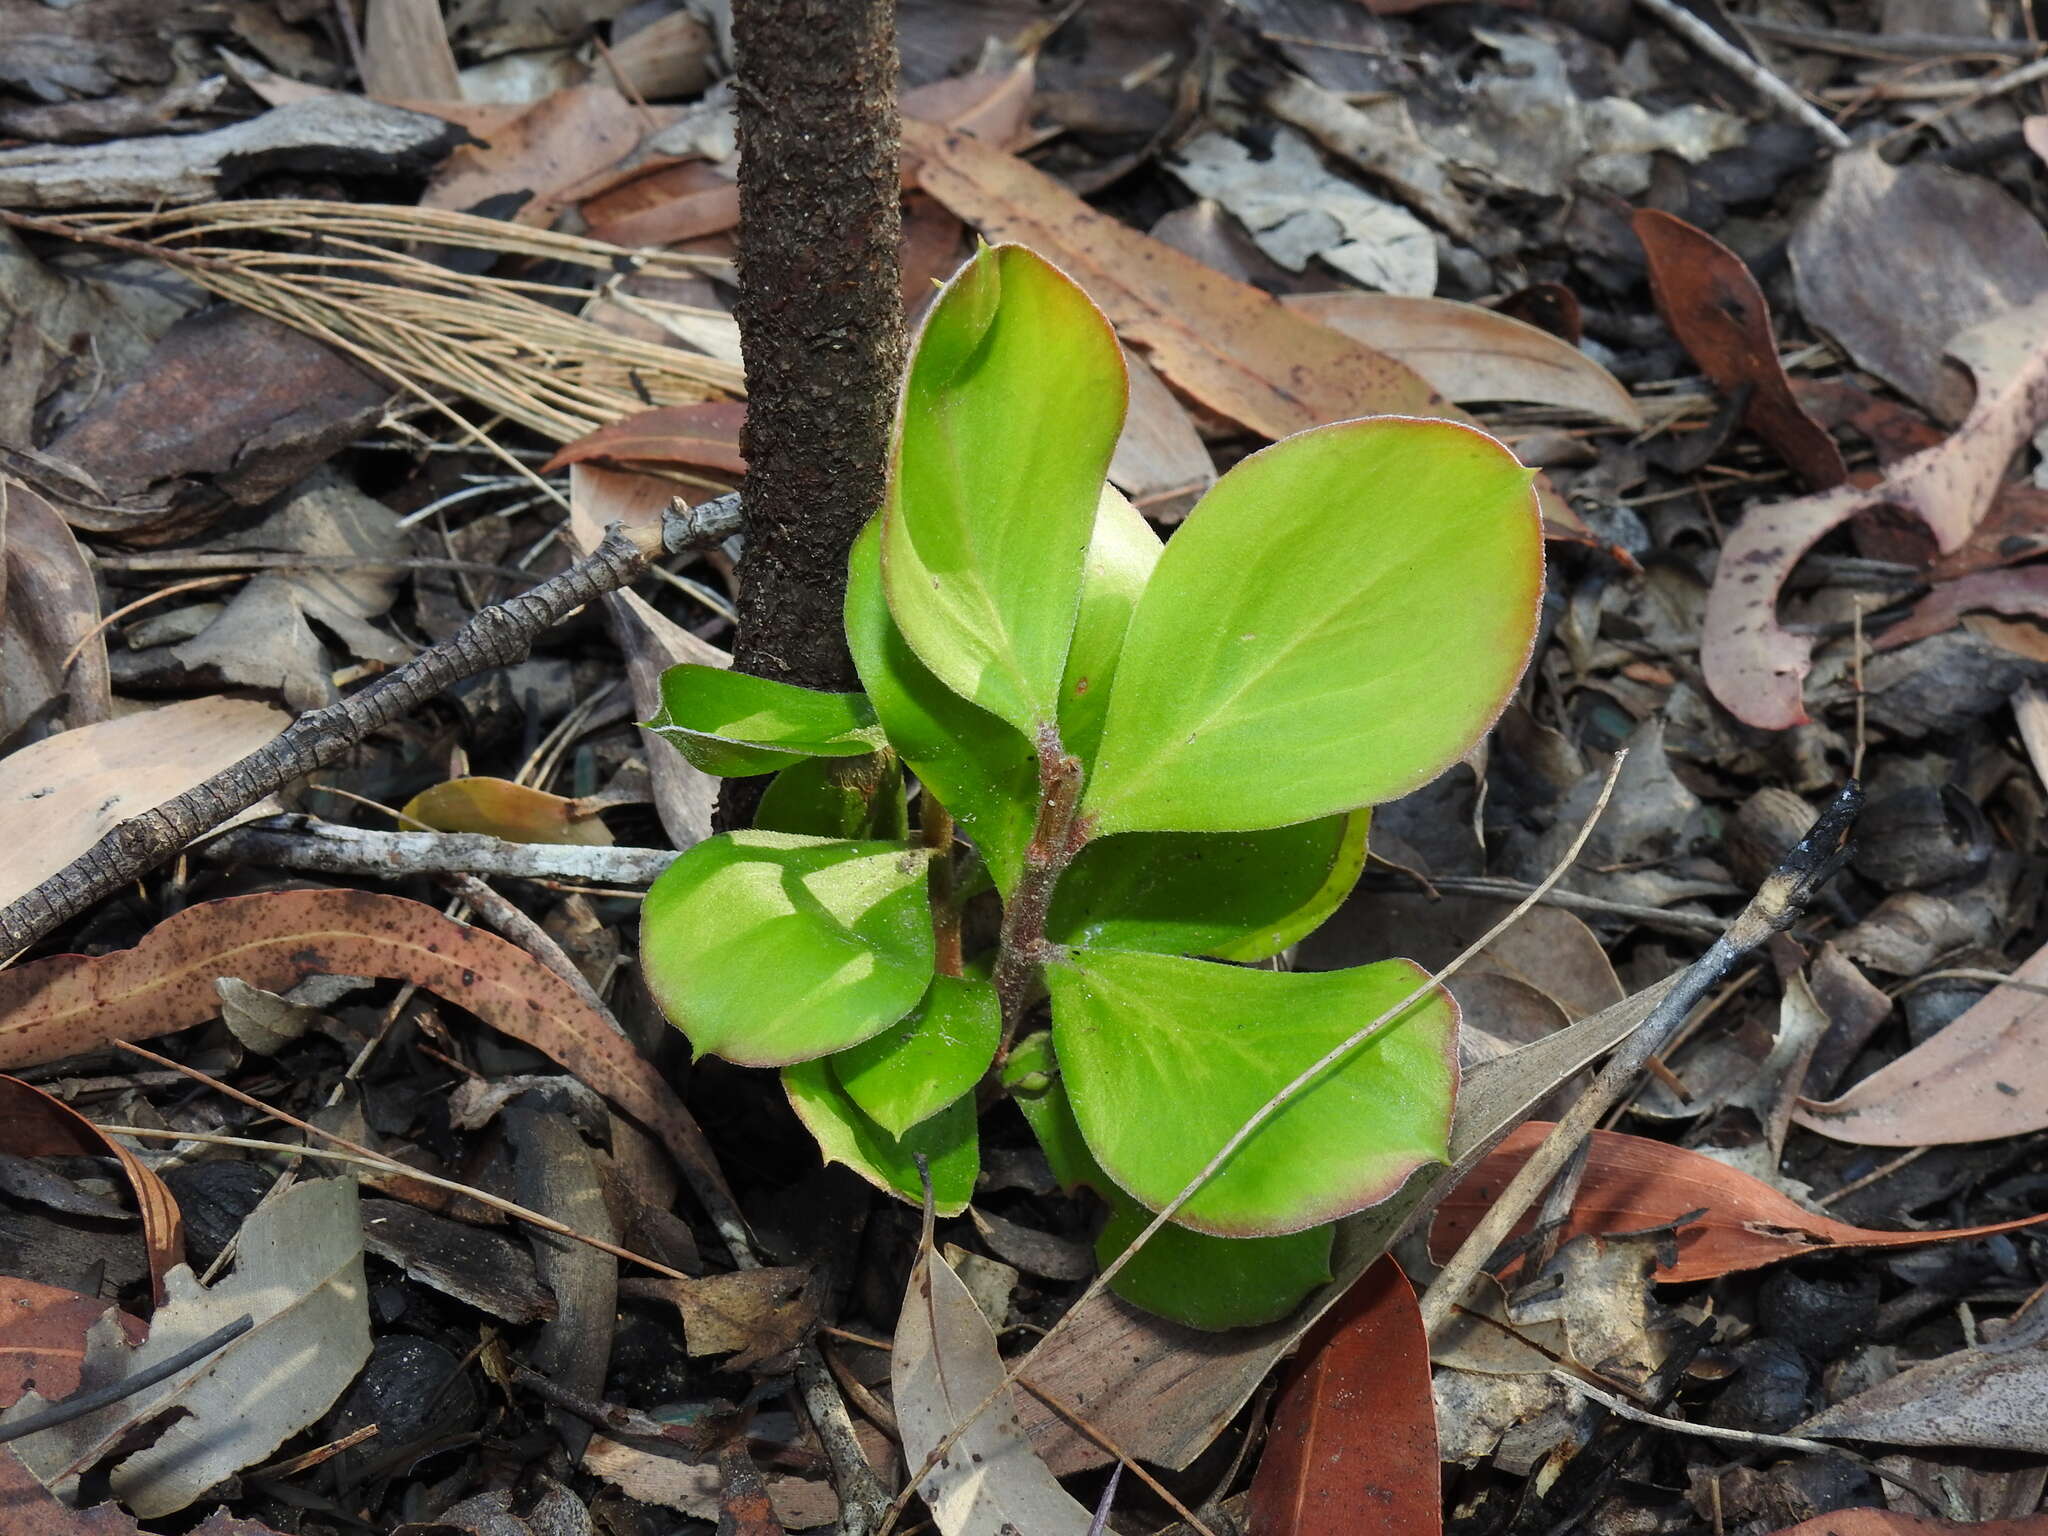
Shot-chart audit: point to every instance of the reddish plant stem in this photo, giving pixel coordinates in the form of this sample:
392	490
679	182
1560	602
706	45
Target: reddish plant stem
1055	839
936	824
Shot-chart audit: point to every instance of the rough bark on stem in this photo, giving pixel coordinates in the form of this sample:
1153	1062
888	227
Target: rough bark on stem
820	312
1054	842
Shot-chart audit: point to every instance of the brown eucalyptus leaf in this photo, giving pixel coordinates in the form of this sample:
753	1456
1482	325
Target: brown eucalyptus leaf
1707	296
706	434
1983	1076
1352	1450
34	1124
1752	663
42	1338
71	1003
1472	353
1887	1522
1630	1183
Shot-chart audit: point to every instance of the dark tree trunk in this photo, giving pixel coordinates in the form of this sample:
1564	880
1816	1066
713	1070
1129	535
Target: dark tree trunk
820	314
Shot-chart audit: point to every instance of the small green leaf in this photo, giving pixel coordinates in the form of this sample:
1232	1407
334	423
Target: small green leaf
837	797
1232	895
1121	555
915	1068
948	1141
1191	1277
1340	619
730	723
1013	404
1165	1058
1212	1283
768	949
981	769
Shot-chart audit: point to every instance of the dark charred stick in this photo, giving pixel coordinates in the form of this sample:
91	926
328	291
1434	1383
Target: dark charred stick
79	1404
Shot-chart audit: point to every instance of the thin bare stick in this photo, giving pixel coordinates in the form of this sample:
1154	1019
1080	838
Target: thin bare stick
493	637
1734	60
1777	904
1266	1112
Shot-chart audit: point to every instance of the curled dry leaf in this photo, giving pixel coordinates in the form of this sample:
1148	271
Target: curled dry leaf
60	795
1707	296
1352	1450
706	435
1981	1077
72	1003
1473	353
33	1124
299	1279
991	1483
1738	1222
42	1338
49	606
1752	663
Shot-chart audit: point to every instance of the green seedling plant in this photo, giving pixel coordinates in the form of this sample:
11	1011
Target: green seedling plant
1153	760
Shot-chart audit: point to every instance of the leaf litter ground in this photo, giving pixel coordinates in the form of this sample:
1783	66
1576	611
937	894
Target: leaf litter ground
1783	398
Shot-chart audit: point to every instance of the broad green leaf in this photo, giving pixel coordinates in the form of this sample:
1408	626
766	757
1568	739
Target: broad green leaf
1208	1282
915	1068
1233	895
768	949
1121	555
837	797
1013	404
730	723
1191	1277
1339	620
981	769
948	1141
1165	1058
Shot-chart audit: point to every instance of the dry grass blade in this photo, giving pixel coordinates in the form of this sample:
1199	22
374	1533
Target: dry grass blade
506	344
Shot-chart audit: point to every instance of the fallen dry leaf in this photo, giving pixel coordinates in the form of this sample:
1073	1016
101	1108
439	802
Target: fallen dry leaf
1892	261
298	1277
1352	1450
1160	454
2023	591
1472	353
706	435
518	813
27	1508
1983	1076
49	606
1238	351
42	1338
60	795
72	1003
1713	306
991	1483
34	1124
1752	663
1991	1397
406	54
1630	1183
544	155
1885	1522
